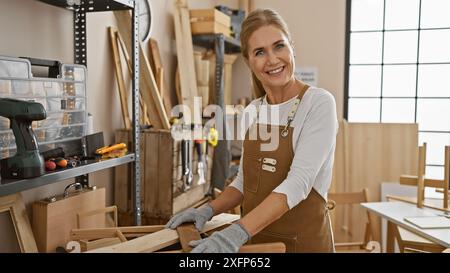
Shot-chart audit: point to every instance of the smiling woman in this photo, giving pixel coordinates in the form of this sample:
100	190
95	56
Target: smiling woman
282	187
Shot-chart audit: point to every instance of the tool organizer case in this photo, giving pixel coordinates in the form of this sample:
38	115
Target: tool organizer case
63	98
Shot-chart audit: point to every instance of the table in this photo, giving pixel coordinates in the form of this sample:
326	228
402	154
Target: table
395	212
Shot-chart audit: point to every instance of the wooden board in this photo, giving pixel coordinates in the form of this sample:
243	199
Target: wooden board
52	222
166	237
187	232
212	15
210	28
123	96
149	90
158	71
185	56
368	154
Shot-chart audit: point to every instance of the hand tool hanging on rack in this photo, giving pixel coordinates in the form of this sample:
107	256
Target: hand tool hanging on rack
186	158
200	146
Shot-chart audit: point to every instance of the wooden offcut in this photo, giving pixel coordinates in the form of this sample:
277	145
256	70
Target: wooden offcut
187	232
210	21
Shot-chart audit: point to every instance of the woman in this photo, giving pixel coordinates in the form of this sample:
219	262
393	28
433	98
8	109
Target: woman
283	190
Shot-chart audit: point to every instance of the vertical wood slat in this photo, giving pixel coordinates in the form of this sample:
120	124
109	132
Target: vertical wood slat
375	153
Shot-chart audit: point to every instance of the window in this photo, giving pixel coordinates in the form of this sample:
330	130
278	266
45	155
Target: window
398	69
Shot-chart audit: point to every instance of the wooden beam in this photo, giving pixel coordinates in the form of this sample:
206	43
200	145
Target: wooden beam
159	73
123	96
185	56
148	87
166	237
144	111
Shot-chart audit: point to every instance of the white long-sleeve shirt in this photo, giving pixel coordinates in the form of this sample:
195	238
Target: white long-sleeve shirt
314	141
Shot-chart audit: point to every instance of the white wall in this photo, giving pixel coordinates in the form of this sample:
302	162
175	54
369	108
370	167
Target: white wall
318	33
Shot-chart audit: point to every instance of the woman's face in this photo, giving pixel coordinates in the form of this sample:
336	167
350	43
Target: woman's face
271	56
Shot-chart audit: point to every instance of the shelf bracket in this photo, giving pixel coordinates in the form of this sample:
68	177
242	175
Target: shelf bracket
79	31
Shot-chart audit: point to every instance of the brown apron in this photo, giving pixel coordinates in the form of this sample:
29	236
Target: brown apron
304	228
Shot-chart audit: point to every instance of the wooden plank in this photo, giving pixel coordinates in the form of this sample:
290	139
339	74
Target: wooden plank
151	175
166	237
165	181
370	154
187	199
144	113
120	80
159	72
187	232
421	175
148	87
210	28
212	15
185	54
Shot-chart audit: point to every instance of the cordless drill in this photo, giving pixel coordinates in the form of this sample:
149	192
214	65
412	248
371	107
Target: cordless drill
27	162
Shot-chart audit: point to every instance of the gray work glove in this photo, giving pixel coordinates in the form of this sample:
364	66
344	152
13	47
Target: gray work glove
200	216
228	240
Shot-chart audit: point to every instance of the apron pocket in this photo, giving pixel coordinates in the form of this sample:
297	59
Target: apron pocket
252	172
289	240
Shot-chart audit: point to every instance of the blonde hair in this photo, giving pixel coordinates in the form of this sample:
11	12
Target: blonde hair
256	19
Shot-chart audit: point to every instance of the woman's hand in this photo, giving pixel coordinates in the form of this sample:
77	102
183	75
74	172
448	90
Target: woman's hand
198	216
228	240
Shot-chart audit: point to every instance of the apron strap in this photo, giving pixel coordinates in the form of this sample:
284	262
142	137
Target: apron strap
292	113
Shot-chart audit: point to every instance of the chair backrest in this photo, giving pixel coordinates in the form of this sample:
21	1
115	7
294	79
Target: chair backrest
349	198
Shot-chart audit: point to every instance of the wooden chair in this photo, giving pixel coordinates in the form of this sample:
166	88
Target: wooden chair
408	241
352	198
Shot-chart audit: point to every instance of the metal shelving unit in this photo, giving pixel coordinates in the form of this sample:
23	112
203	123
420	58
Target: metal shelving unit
10	186
222	156
80	8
